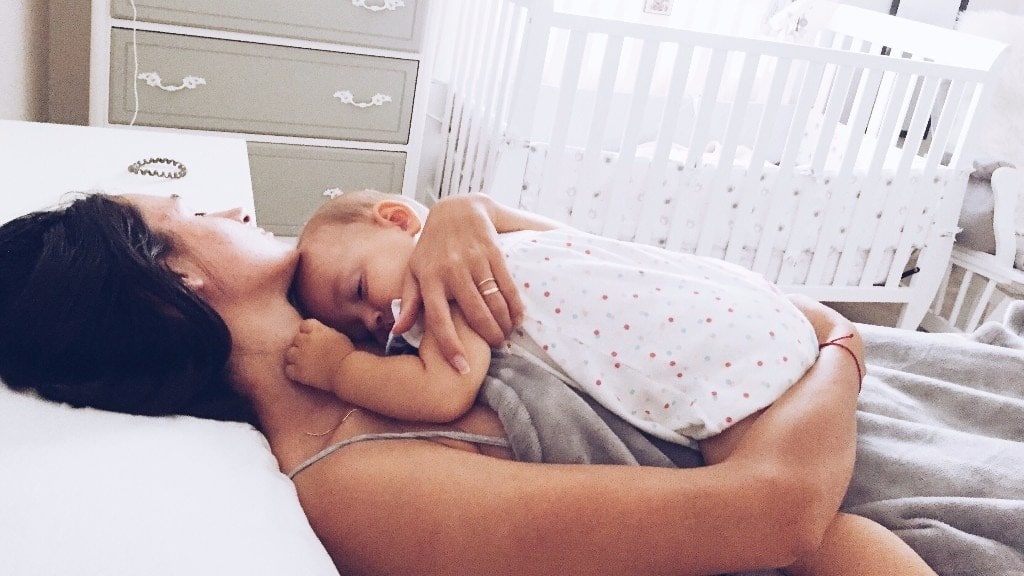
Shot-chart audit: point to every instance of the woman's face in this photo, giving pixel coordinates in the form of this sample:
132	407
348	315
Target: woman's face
224	249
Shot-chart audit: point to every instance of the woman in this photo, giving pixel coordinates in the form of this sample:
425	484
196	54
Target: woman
143	299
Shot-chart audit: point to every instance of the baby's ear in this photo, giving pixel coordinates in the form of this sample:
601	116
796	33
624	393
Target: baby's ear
398	213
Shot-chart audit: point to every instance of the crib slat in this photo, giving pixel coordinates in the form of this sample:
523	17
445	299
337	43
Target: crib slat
698	142
750	197
455	102
961	295
844	189
657	174
469	86
486	73
597	126
981	305
811	212
900	203
511	27
558	164
867	212
621	180
723	196
784	196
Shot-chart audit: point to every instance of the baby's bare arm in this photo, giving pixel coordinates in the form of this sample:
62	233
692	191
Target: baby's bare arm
316	355
422	388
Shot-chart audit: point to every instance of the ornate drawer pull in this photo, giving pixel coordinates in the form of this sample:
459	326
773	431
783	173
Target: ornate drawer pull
346	98
142	168
388	5
153	79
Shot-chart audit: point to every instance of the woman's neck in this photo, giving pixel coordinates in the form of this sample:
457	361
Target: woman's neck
261	334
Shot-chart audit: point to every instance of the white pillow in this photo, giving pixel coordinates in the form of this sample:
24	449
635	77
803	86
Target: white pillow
87	492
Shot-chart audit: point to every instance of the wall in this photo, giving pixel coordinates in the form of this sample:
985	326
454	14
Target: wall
23	59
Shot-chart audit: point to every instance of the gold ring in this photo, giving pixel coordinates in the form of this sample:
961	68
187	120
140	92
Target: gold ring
481	283
490	291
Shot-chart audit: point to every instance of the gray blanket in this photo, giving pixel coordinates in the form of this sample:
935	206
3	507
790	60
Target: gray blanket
940	454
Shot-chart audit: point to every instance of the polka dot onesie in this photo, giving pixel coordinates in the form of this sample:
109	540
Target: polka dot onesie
678	345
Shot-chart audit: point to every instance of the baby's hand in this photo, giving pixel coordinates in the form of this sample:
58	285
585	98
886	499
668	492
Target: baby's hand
315	354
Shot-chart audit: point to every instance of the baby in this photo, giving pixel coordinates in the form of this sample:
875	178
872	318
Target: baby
680	346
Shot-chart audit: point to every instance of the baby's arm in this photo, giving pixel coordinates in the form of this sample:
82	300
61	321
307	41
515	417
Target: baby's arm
422	388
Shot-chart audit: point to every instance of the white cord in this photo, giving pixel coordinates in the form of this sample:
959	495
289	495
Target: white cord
135	55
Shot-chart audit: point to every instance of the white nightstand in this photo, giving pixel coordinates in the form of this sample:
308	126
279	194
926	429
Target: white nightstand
43	162
325	92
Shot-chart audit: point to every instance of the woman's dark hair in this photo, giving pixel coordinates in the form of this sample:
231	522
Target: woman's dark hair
91	315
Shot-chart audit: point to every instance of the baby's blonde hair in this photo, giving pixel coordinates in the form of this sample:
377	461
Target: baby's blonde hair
355	206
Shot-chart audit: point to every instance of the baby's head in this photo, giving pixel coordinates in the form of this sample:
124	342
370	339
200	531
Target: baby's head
354	253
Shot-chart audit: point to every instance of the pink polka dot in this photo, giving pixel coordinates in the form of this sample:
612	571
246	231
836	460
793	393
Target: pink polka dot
604	297
545	346
785	358
625	326
653	355
672	363
679	374
730	309
665	406
614	354
728	419
547	293
526	284
558	310
708	320
728	364
636	295
597	382
568	243
746	394
597	332
586	251
671	319
618	365
760	363
714	393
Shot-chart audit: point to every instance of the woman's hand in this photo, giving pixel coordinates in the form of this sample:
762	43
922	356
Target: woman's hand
456	254
457	259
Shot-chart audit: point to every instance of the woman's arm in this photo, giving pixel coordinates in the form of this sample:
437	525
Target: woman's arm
414	388
455	253
415	507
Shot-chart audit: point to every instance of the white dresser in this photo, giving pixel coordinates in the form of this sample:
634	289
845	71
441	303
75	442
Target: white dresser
327	93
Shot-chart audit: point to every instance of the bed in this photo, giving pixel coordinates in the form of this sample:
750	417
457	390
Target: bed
831	155
940	456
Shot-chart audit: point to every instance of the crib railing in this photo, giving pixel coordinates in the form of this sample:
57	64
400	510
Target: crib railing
836	169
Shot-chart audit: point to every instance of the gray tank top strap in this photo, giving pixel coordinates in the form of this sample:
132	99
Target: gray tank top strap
421	435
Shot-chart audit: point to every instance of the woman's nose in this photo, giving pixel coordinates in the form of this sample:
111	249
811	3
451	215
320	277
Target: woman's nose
238	214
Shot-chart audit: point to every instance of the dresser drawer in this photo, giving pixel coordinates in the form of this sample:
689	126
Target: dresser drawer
209	84
289	181
398	25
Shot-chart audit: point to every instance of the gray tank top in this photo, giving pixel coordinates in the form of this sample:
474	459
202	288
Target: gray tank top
423	435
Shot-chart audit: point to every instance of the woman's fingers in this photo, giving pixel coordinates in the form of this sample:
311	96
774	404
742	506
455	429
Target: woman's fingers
437	319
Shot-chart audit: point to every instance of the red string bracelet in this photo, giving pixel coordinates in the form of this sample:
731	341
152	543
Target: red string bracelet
836	342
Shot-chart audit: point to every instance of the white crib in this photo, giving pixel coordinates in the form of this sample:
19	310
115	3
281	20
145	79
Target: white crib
835	166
